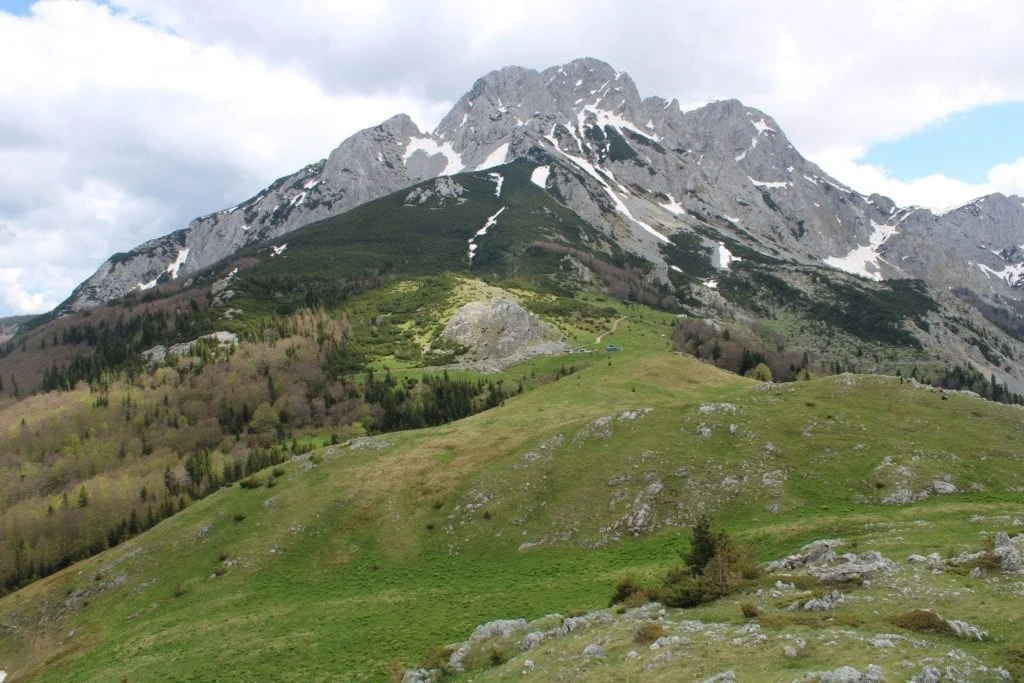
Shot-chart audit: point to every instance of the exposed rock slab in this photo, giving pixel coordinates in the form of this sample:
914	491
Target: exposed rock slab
501	332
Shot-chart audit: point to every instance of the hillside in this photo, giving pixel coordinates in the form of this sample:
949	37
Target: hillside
541	506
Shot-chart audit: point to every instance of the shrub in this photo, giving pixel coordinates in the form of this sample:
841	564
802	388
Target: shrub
436	657
278	471
239	517
923	621
179	590
648	633
750	610
688	591
703	546
624	590
1015	661
396	672
645	595
498	654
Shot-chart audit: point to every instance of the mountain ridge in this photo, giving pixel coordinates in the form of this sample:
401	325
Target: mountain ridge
722	165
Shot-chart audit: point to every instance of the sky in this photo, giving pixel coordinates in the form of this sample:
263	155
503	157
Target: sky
122	120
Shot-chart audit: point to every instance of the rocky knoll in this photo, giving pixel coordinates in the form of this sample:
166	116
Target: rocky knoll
500	332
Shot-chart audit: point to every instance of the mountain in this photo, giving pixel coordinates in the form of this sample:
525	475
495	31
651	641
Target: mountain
640	169
11	325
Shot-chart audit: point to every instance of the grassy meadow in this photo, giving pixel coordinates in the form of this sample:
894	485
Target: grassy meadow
364	555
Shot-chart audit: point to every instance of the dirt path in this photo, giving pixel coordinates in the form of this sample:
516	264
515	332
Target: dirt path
615	326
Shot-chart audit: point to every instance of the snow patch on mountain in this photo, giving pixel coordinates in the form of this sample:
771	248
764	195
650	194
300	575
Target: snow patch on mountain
957	207
864	260
620	205
171	270
724	258
495	158
498	182
539	177
609	118
773	185
430	147
1013	274
491	222
673	206
279	250
762	126
178	263
743	155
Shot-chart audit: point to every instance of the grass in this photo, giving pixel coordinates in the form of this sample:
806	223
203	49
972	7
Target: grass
335	572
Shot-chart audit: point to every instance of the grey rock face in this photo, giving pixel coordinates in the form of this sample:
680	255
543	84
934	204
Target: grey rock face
815	553
824	603
847	674
500	332
854	568
499	627
640	169
366	166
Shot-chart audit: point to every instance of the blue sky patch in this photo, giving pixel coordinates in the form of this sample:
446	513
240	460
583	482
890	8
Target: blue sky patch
20	7
964	146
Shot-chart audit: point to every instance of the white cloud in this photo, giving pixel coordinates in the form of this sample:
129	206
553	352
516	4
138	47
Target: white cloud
1008	178
113	132
829	72
936	192
120	125
17	297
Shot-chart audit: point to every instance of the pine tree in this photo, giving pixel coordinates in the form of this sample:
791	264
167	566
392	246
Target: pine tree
703	546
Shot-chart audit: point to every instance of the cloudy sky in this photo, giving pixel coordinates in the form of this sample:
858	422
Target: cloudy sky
122	120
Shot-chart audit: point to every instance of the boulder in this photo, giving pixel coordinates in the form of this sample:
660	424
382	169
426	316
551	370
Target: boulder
499	627
815	553
824	603
846	674
854	568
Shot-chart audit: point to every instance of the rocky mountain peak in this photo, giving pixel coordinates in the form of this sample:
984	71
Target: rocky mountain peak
638	169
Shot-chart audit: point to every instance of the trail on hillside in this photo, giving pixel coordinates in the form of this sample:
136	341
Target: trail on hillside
615	326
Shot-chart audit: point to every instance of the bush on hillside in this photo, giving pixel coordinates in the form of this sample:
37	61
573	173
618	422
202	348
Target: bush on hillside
714	568
646	634
923	621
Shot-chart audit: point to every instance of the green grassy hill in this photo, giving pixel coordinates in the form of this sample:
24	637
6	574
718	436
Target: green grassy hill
355	557
366	554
